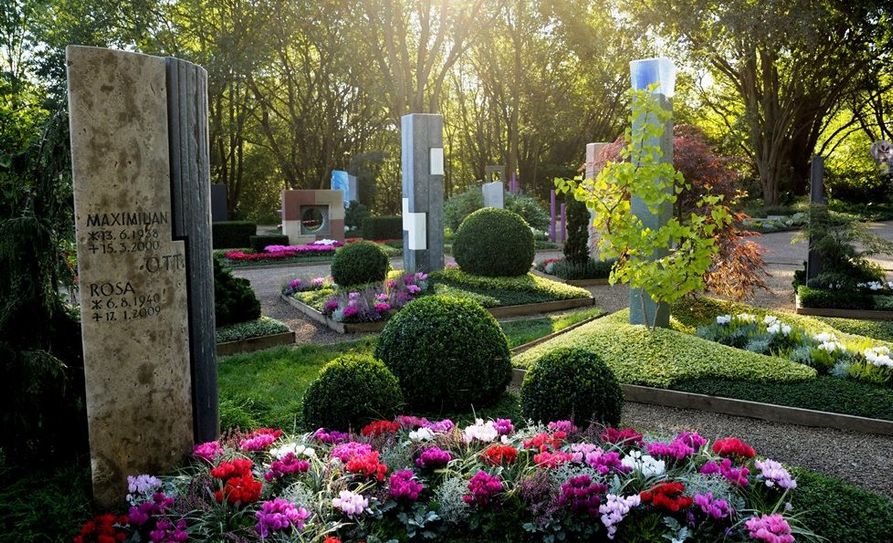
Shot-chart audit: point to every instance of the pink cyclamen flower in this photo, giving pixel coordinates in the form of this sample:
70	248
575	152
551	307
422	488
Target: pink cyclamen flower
769	528
324	436
565	426
350	503
279	515
208	451
482	487
504	427
286	465
167	532
347	451
774	474
715	508
257	442
735	475
403	486
433	458
582	495
615	510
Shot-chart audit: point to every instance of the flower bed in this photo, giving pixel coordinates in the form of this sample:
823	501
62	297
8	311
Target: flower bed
824	351
255	335
489	481
591	272
285	254
504	291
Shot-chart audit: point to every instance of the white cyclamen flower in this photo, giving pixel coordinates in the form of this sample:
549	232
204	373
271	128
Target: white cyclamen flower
878	356
723	319
645	464
747	317
293	447
824	337
422	434
480	430
770	319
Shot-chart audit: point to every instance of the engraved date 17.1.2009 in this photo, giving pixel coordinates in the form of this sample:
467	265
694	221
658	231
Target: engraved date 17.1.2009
119	301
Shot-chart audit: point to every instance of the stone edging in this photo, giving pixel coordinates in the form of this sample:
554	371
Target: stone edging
498	312
745	408
256	343
859	314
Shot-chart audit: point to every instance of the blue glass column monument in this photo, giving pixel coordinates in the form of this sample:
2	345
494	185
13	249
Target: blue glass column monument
643	74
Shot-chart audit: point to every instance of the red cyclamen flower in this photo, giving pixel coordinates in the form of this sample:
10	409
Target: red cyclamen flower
731	446
379	427
498	455
667	496
367	465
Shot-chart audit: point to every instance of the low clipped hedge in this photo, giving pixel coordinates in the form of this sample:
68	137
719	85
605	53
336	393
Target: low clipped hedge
384	227
824	393
232	234
360	263
663	357
571	384
264	326
839	299
501	291
841	512
446	352
494	243
258	243
351	391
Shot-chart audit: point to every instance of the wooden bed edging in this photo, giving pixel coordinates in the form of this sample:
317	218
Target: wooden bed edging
256	343
498	312
572	282
859	314
746	408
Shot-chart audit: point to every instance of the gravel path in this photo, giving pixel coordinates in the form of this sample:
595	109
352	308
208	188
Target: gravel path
862	459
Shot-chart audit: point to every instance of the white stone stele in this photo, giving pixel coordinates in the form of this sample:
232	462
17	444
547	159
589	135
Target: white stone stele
494	194
436	160
132	274
592	152
416	227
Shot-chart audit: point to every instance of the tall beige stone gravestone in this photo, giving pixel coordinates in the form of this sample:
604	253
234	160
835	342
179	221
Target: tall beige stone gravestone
142	211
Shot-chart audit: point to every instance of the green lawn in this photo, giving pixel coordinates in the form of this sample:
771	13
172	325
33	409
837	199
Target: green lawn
502	291
524	331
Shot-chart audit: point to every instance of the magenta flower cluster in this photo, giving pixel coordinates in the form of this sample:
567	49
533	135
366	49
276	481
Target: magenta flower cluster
257	442
139	515
714	508
286	465
565	426
683	446
373	303
433	458
482	487
346	451
330	437
403	486
774	474
735	475
167	532
769	528
582	495
207	451
279	515
504	427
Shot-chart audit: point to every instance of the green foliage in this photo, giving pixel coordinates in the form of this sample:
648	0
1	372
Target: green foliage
49	504
263	326
840	511
467	202
824	393
42	393
882	330
494	243
576	247
663	357
351	391
232	234
446	352
234	300
360	263
838	299
354	216
501	291
668	261
588	269
573	384
259	242
383	227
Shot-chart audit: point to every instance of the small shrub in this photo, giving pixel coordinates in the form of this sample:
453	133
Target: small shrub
234	301
384	227
232	234
351	391
359	263
571	384
839	511
354	215
446	352
465	203
576	247
495	243
258	243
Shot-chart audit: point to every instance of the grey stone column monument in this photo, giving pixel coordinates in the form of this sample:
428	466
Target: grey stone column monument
817	212
139	146
644	73
422	160
494	194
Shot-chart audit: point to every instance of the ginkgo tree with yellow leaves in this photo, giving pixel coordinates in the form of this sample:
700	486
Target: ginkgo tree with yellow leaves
667	258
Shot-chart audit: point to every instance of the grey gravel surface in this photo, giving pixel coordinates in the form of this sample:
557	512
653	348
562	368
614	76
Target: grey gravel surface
862	459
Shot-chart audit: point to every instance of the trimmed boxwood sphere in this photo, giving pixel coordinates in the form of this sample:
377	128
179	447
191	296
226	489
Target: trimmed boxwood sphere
571	384
446	352
494	242
351	391
359	263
